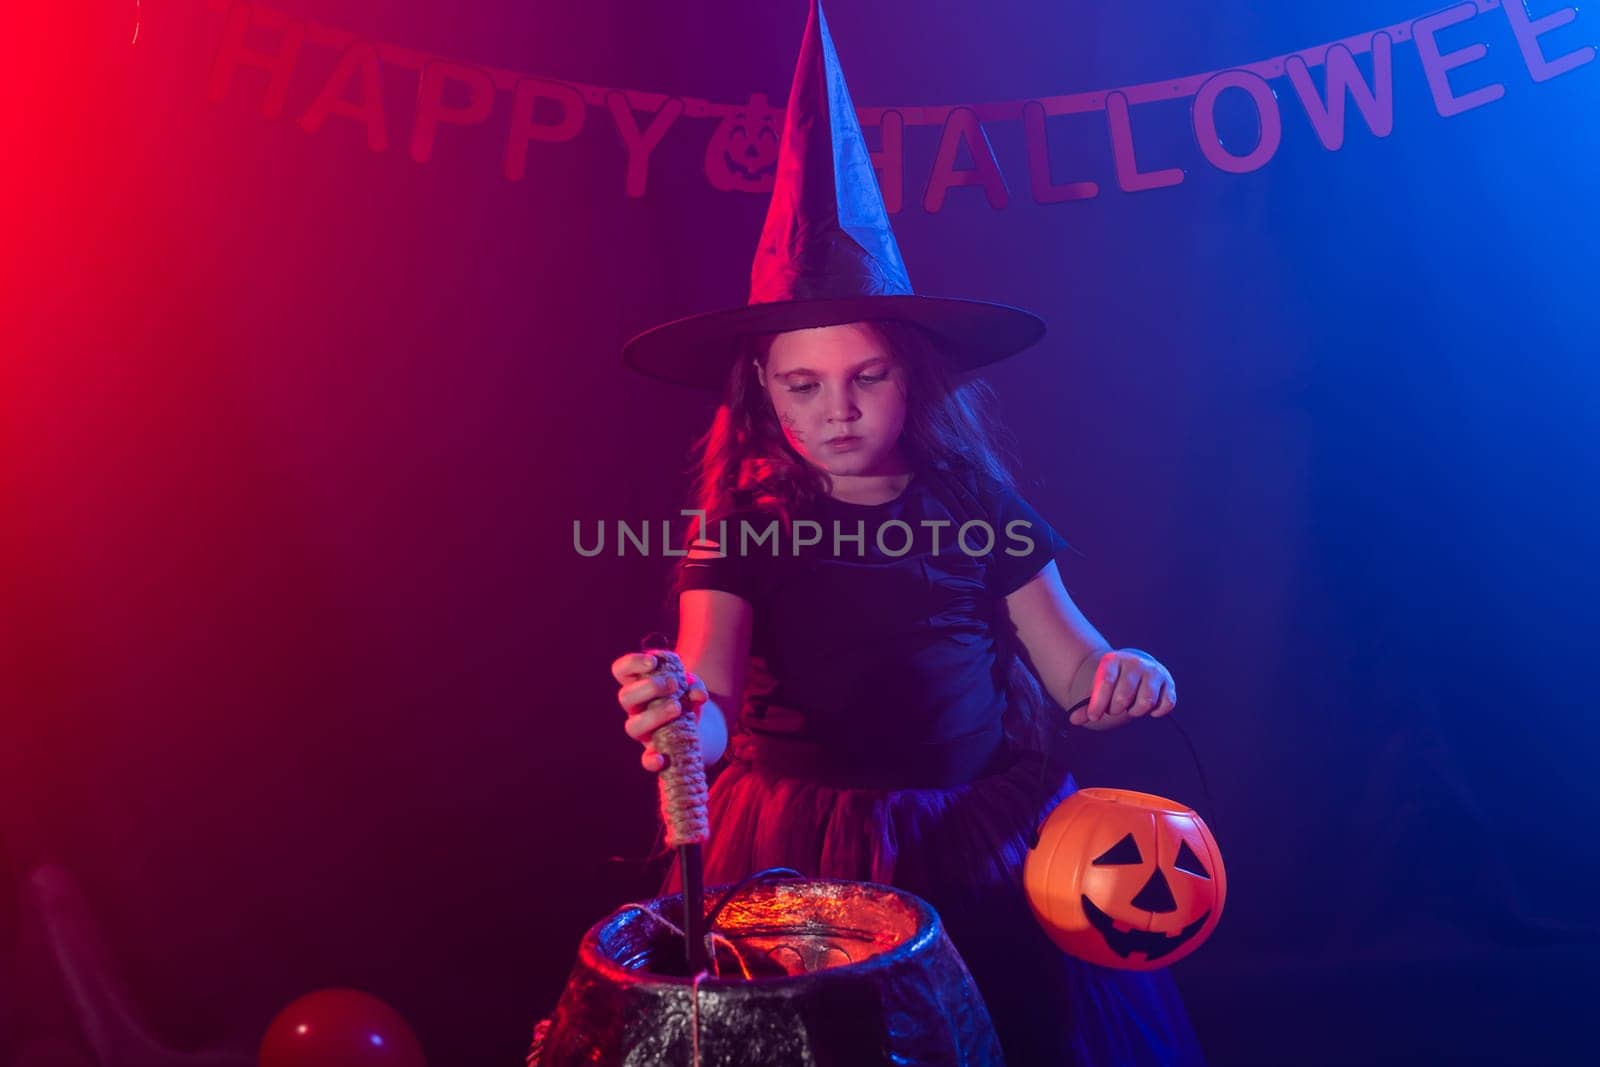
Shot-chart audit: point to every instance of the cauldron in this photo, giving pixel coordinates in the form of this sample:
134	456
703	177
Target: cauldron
811	972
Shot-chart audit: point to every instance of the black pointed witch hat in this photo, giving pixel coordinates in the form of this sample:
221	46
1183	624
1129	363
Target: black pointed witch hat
827	254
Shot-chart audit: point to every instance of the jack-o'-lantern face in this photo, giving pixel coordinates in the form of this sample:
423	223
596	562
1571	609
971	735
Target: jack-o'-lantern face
1125	879
742	155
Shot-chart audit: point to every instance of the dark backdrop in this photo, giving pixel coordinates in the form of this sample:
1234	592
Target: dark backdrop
303	679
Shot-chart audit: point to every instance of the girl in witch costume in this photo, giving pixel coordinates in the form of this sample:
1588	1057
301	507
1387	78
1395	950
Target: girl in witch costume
862	606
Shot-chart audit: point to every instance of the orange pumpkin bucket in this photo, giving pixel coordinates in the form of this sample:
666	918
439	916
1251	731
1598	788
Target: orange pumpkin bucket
1125	879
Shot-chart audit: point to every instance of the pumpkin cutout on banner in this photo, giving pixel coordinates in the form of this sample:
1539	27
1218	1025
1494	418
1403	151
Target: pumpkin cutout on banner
1124	879
742	155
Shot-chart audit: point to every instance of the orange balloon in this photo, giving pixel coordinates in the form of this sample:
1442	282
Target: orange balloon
1125	879
340	1028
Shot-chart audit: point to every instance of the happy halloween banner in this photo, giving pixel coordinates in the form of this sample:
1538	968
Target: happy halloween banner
315	72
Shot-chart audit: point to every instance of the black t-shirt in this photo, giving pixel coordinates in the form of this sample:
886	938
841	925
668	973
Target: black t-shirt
875	625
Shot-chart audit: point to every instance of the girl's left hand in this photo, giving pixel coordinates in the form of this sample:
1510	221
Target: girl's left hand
1128	683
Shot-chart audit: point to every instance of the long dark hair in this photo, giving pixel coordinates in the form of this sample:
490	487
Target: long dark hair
952	436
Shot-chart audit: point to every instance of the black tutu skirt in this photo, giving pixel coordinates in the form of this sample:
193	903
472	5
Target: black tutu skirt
962	850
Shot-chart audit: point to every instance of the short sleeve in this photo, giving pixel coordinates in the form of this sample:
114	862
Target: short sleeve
729	555
1024	543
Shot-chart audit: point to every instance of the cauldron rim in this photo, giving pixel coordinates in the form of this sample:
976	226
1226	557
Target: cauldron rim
929	927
